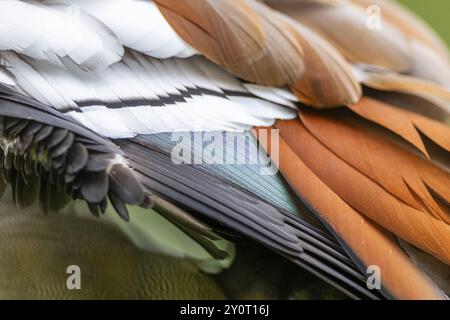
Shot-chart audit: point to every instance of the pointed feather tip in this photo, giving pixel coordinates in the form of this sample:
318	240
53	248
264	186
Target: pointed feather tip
66	164
408	125
367	241
377	112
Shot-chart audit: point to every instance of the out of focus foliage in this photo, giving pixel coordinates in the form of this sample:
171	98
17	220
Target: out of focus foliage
435	12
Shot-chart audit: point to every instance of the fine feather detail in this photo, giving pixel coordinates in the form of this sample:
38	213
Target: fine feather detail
341	164
394	45
410	24
142	95
47	156
243	212
345	26
386	80
328	80
407	124
88	34
137	24
404	174
59	34
256	47
363	239
403	219
278	52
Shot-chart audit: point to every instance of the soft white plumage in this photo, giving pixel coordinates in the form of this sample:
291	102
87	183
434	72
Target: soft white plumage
143	28
123	75
60	34
142	95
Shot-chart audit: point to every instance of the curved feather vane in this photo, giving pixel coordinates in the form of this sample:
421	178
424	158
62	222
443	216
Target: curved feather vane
345	26
375	202
367	241
385	80
142	95
242	38
391	44
434	110
59	34
259	48
402	171
49	156
406	124
281	56
328	80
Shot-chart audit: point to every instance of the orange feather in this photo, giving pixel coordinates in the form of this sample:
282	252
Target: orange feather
404	123
365	195
370	243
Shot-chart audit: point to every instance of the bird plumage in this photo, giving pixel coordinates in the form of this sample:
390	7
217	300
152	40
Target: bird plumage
362	121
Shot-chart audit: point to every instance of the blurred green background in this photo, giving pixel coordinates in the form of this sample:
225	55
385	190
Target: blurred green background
435	12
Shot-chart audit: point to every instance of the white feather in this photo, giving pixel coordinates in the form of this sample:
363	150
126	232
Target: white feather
159	83
105	121
215	74
268	93
187	95
286	94
263	109
138	25
58	34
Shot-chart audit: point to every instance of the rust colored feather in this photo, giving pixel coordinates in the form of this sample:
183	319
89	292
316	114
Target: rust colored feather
388	164
258	48
404	123
365	195
369	242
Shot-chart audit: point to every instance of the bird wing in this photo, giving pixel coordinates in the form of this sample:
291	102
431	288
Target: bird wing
253	65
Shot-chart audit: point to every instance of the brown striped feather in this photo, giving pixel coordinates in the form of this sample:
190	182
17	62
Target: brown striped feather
328	80
258	48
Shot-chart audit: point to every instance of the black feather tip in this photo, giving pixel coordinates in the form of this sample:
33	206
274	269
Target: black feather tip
49	157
